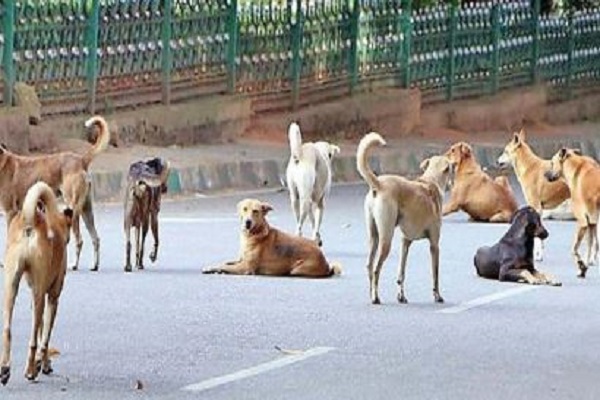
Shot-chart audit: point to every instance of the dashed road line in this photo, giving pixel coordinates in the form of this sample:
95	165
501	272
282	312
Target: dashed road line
480	301
256	370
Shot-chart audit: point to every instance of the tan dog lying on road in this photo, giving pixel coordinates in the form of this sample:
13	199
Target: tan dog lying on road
474	192
265	250
413	205
582	174
309	179
36	247
147	181
66	172
529	169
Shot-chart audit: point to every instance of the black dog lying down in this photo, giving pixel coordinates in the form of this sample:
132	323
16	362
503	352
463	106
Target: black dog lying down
511	259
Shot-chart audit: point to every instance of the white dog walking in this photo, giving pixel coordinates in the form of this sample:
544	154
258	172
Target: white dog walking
309	179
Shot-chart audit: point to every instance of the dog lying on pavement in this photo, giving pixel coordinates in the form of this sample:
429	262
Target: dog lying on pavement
473	191
64	172
413	205
36	248
145	186
511	259
539	193
582	175
309	179
265	250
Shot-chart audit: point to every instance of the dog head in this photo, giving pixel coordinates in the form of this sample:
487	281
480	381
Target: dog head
557	162
252	215
510	150
328	150
527	219
440	169
459	152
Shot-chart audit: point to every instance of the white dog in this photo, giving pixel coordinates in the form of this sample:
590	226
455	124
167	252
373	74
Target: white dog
309	179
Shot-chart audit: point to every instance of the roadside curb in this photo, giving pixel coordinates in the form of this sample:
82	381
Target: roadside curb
270	173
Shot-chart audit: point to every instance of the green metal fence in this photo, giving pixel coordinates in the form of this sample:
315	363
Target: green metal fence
99	55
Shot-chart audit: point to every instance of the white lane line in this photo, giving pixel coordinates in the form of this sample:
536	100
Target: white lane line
256	370
480	301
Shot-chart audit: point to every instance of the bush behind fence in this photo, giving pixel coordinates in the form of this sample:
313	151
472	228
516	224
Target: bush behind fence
99	55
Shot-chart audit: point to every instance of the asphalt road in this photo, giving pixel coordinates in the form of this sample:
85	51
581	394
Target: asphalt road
176	330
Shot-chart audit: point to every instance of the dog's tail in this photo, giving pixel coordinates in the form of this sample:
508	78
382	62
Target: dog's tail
295	138
101	141
39	192
362	158
335	269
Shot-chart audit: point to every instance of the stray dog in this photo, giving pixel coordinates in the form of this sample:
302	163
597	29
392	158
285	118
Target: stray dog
36	247
511	259
265	250
473	191
64	172
413	205
539	192
146	184
309	179
582	174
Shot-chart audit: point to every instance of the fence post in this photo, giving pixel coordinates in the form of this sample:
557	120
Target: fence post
570	51
92	56
8	63
495	47
232	30
166	55
535	73
353	61
296	27
453	21
407	37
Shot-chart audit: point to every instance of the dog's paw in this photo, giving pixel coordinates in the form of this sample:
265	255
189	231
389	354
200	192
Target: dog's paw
4	375
211	270
582	269
438	298
375	301
74	268
127	268
153	256
555	283
47	368
402	299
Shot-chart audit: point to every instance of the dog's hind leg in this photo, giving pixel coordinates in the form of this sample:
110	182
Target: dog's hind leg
592	243
49	319
373	245
385	226
88	219
402	270
78	240
140	264
154	228
11	288
31	369
502	217
318	220
575	251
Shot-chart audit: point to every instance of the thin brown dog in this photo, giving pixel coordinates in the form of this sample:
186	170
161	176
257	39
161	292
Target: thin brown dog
66	172
474	192
265	250
413	205
582	174
36	249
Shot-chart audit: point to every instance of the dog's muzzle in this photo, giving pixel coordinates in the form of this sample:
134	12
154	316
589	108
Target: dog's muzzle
542	233
551	176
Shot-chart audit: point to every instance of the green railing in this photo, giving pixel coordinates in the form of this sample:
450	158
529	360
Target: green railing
99	55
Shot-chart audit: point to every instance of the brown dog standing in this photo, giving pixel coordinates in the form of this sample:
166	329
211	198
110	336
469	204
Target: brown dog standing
265	250
66	172
582	174
474	192
36	248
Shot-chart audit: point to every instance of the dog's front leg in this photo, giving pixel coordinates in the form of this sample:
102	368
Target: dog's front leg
232	267
453	205
547	279
575	251
127	247
154	228
517	275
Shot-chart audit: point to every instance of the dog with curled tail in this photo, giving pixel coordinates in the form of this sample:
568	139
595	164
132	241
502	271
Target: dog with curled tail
36	249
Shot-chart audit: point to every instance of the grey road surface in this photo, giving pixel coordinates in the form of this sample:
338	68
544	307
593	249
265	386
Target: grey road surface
187	335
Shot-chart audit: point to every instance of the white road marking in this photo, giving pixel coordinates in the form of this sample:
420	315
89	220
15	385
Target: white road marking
256	370
480	301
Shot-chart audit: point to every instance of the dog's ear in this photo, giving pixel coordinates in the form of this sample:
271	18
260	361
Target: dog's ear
522	134
424	164
465	150
266	207
577	151
334	150
563	153
3	148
